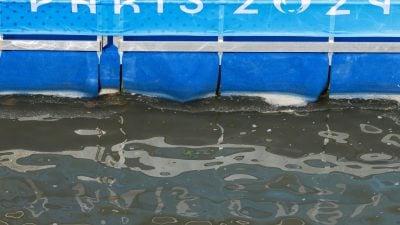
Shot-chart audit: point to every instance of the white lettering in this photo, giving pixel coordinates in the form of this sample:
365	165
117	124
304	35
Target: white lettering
199	7
160	6
244	10
35	4
118	6
335	12
304	6
91	4
385	5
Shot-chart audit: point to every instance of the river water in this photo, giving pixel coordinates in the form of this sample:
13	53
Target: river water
224	161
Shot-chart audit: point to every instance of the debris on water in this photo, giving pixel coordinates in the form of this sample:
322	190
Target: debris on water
9	101
90	104
189	153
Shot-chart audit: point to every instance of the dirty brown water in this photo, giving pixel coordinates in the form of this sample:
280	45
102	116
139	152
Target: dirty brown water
224	161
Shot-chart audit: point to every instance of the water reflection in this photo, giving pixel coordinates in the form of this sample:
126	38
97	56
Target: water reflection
392	139
281	196
160	167
155	166
325	212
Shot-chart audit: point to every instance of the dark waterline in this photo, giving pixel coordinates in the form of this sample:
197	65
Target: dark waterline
138	160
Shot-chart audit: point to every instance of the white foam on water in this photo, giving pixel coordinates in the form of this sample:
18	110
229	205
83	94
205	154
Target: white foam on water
68	94
276	99
370	96
44	117
170	97
108	91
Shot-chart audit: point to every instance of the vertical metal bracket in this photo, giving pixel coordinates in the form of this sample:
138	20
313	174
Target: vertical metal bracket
100	40
220	50
104	40
330	53
116	42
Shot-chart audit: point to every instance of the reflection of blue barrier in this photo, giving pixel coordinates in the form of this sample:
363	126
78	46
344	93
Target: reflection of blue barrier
49	72
177	76
301	74
358	75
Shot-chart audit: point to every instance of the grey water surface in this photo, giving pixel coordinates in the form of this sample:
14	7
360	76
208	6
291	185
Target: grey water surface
225	161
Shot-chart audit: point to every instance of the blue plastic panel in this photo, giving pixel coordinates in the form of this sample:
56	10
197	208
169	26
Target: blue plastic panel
57	73
176	76
365	74
301	74
110	69
202	17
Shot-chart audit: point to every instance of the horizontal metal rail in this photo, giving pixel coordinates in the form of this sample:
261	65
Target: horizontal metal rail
51	45
196	46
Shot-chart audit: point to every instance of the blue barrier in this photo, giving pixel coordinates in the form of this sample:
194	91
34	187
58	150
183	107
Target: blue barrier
358	75
176	76
174	49
301	74
110	69
49	72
